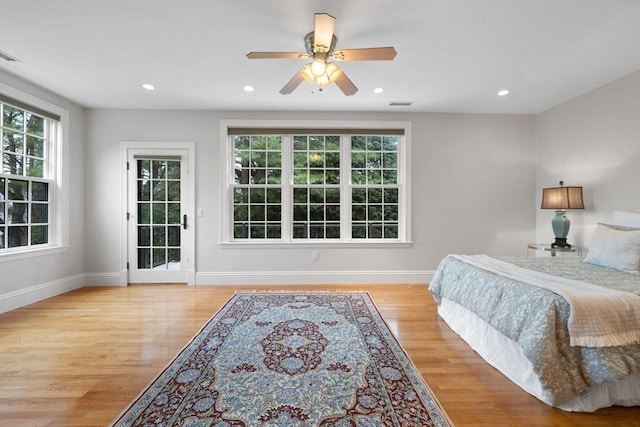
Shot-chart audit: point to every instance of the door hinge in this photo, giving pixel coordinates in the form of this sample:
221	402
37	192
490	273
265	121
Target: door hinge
128	216
127	266
127	165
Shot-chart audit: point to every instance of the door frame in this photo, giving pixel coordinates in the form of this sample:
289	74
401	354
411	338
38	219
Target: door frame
151	148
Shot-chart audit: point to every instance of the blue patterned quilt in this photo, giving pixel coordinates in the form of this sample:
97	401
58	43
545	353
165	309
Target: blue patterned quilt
536	319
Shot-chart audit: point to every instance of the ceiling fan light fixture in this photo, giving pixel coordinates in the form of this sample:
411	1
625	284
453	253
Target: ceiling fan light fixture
323	81
318	67
333	72
330	74
306	74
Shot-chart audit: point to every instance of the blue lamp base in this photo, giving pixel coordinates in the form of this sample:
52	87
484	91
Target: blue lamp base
560	224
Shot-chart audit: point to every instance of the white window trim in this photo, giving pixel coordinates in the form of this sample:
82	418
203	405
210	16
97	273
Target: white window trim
227	165
58	161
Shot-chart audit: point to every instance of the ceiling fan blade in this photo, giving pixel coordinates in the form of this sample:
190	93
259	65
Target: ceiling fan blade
365	54
345	84
277	55
324	24
293	83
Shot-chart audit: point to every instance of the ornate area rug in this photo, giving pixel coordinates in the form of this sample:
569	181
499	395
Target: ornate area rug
290	359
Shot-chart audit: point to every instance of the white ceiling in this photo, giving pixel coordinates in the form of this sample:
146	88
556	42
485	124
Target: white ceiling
453	55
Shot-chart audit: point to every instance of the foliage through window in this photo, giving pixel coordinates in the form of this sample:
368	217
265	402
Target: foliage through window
374	195
316	187
158	206
257	191
319	186
25	184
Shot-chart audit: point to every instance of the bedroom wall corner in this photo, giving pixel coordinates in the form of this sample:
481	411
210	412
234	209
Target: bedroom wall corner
594	141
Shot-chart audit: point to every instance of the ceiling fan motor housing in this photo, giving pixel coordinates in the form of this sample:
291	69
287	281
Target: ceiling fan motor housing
308	44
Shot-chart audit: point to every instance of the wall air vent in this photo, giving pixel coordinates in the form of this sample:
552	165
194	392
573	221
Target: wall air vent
7	57
400	103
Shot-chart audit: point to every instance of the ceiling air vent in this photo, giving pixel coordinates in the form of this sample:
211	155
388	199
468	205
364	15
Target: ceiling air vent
7	57
400	103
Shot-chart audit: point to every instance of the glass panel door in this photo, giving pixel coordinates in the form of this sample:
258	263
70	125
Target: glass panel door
158	219
156	225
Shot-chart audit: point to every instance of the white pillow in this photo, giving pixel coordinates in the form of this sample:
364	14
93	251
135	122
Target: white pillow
630	219
615	248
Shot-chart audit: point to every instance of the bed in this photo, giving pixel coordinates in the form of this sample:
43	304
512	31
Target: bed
526	316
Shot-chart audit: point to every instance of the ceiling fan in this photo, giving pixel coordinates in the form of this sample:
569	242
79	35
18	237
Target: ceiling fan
320	47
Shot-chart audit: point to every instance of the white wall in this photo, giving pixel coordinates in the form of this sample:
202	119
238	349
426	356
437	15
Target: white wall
28	280
477	182
593	141
473	192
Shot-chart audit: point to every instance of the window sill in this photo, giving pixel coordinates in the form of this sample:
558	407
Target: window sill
307	244
32	253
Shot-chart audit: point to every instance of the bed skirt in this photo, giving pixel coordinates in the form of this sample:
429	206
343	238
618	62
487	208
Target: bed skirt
506	356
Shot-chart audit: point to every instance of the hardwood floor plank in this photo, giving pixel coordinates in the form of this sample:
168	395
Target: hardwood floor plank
80	358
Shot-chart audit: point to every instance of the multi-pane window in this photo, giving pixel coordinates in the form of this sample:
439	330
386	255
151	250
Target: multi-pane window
316	187
158	213
257	188
325	185
374	191
25	187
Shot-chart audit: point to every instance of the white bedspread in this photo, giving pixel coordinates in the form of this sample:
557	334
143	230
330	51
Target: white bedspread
599	317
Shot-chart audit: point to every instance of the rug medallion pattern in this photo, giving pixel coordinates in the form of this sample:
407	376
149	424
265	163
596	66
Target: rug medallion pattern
289	359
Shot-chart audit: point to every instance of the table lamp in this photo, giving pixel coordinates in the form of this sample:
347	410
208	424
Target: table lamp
561	198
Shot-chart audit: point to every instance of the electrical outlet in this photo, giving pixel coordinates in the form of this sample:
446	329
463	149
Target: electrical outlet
315	255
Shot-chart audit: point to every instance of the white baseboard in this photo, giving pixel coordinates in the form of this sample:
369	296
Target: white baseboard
106	279
313	277
121	278
279	277
16	299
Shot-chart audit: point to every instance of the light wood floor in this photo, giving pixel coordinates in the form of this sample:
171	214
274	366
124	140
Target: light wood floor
78	359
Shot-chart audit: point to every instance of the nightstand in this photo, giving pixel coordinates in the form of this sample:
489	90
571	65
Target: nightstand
544	250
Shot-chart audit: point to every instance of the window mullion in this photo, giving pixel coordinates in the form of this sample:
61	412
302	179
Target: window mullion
229	207
345	188
402	177
287	188
47	152
29	223
50	160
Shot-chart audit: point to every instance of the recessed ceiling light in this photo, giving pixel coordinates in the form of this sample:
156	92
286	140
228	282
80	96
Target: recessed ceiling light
378	90
248	88
503	92
148	86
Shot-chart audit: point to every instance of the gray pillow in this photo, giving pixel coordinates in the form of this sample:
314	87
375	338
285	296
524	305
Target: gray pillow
615	247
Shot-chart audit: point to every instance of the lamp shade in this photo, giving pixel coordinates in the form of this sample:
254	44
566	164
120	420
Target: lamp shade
562	198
